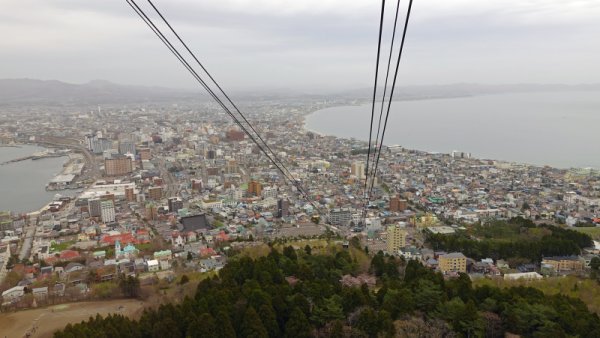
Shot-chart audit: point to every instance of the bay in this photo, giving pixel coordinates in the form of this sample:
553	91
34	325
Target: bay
560	129
23	184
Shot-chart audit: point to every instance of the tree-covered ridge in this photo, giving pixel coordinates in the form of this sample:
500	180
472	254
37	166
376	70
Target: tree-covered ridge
298	294
515	239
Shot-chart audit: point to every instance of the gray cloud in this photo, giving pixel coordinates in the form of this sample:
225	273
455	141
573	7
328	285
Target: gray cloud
319	44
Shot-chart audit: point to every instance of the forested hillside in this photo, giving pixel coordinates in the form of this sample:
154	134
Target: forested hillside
298	294
514	240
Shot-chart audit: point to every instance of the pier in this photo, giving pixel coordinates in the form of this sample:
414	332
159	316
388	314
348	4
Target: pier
33	157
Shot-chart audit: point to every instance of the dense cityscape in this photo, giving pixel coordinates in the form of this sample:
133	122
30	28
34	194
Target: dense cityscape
299	169
156	192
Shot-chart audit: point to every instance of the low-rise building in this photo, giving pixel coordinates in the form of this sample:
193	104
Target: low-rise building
153	265
341	216
453	262
13	294
40	293
522	275
564	263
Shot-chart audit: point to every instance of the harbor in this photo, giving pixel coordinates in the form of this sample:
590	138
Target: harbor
66	179
48	153
23	183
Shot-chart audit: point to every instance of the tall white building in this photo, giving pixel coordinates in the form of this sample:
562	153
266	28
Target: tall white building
460	154
235	194
358	169
269	192
107	210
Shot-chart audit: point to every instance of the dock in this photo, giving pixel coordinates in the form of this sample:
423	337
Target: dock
34	157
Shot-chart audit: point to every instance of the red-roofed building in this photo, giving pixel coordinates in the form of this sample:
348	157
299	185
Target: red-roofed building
207	252
124	239
31	270
50	260
68	255
222	237
143	236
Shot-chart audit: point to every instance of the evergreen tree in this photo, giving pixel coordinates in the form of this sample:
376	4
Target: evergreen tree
269	320
378	264
252	326
184	280
297	326
337	329
290	253
368	322
204	326
308	249
225	330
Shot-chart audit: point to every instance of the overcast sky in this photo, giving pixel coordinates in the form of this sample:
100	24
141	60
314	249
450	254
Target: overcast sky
302	44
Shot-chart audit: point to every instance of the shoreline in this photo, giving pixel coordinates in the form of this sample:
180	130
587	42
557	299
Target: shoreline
34	211
323	134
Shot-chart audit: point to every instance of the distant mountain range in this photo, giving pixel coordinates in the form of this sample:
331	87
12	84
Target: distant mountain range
28	92
52	92
467	89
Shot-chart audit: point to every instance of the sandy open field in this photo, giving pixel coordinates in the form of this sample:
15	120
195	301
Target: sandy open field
49	319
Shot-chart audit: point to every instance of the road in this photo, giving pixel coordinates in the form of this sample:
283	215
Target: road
4	260
93	171
171	187
27	242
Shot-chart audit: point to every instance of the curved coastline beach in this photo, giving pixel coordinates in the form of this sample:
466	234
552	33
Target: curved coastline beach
22	184
529	128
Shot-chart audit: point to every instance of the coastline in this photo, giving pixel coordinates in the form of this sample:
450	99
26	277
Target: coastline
40	153
496	161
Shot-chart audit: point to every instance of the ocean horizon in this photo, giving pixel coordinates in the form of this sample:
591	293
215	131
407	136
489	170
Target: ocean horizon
558	129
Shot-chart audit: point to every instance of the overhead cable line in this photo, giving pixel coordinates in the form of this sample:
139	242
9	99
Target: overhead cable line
273	154
217	84
393	86
184	62
387	74
373	103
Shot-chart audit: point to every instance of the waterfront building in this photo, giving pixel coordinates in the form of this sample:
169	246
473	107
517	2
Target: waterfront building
99	145
118	165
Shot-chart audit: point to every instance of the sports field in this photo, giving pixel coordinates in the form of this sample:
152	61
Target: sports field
44	321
